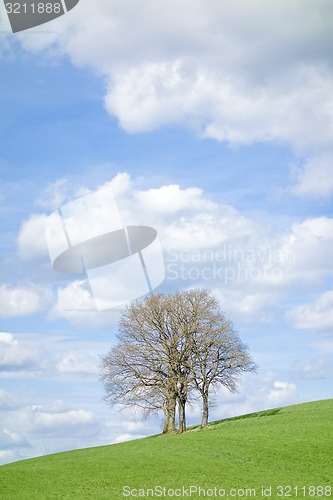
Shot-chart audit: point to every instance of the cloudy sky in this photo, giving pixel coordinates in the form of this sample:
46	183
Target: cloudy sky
210	121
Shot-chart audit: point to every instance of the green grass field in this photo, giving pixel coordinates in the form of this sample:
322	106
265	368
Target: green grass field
289	450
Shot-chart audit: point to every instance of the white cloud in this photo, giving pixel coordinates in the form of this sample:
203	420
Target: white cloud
11	440
78	363
61	422
132	426
224	106
172	199
232	71
314	179
245	305
256	393
308	248
20	356
49	355
7	401
54	194
282	393
76	304
75	296
23	300
186	221
31	430
31	242
316	368
316	316
248	264
127	437
212	227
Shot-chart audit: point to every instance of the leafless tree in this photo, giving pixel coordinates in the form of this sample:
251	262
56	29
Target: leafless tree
218	356
142	368
168	346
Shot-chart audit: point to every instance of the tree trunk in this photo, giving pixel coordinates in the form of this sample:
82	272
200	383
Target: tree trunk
165	422
170	416
182	415
204	418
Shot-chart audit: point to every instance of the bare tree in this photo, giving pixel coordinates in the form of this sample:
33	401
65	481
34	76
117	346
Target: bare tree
142	368
130	380
169	346
218	356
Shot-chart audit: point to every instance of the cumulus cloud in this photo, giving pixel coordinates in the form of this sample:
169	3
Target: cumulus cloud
316	368
20	356
243	304
76	304
256	393
29	430
186	221
54	194
282	393
61	421
225	70
75	296
132	426
316	316
250	265
9	439
127	437
216	245
314	177
7	401
23	300
31	242
172	199
48	355
78	363
222	107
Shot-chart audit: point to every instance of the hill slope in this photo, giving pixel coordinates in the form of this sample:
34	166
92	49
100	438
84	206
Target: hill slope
289	447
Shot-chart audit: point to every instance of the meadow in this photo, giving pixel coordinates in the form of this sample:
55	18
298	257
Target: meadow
280	453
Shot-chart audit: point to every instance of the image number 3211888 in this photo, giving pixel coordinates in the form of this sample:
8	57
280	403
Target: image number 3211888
23	15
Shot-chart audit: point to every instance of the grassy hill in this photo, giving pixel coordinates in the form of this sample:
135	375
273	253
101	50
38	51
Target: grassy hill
289	447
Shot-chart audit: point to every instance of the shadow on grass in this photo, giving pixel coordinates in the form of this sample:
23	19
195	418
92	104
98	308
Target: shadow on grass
265	413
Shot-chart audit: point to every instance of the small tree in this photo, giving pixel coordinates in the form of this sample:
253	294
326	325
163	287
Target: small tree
218	356
169	346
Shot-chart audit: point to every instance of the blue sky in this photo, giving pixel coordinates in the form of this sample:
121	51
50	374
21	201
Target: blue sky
213	124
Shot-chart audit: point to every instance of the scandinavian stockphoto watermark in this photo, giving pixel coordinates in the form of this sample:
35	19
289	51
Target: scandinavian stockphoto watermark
25	14
120	262
228	264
